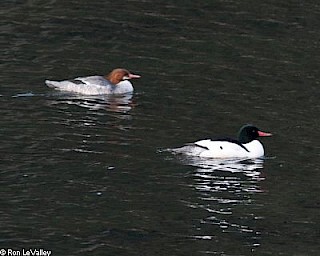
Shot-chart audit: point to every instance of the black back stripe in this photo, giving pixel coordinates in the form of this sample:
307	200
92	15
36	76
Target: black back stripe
232	141
76	81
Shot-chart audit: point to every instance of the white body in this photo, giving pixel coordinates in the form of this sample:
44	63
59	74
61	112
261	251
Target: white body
222	149
91	85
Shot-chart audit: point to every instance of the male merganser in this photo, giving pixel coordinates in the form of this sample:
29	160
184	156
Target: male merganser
116	82
246	146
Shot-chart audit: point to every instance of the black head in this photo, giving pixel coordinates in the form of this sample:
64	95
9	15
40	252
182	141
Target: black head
249	133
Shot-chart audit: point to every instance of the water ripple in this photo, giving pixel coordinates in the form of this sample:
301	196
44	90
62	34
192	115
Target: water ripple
223	188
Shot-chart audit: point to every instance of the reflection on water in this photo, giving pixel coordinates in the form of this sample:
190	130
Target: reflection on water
93	127
122	103
226	188
114	103
249	167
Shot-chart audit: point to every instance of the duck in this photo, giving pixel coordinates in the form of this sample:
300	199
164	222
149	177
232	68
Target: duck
246	145
116	82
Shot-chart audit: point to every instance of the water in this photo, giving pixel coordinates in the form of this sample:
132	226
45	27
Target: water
90	176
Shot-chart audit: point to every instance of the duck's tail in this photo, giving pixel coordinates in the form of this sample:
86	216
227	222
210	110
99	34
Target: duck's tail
52	84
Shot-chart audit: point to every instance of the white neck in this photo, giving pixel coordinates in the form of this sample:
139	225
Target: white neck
255	147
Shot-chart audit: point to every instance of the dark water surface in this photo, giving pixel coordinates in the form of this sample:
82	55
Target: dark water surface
88	175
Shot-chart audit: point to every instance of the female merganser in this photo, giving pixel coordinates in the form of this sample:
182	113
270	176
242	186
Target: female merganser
117	82
246	146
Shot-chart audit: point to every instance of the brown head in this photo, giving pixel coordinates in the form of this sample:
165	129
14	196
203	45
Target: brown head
119	74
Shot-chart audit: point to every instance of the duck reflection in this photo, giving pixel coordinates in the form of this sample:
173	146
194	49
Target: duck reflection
247	167
226	196
114	103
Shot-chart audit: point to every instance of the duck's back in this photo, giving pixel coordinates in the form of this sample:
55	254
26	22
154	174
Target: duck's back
93	80
91	85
